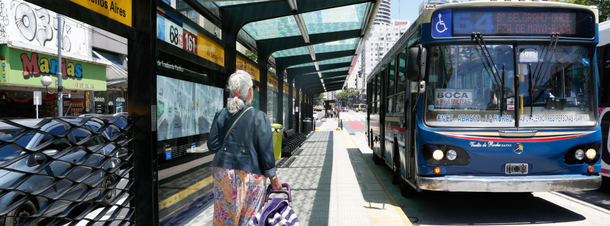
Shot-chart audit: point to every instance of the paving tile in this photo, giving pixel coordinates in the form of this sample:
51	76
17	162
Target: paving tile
331	185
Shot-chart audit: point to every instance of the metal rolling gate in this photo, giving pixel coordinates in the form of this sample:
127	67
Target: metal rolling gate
88	180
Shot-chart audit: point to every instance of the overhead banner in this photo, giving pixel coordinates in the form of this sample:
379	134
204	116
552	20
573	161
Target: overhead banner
241	64
27	68
210	50
26	25
173	31
119	10
272	81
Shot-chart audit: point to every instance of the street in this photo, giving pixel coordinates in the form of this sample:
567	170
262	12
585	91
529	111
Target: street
442	208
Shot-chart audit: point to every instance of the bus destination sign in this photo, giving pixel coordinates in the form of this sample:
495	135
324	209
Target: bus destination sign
512	22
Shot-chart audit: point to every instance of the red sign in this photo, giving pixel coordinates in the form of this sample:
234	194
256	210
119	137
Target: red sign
190	42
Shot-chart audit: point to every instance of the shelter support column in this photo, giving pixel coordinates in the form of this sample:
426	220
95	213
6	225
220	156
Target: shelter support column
262	67
290	104
229	37
279	72
142	94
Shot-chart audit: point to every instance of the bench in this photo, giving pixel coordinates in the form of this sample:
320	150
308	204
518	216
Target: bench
291	141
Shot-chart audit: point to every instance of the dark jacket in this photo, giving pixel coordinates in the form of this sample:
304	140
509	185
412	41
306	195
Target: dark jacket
249	145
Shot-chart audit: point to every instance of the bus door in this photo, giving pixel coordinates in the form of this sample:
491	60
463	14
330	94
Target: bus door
412	94
391	122
604	106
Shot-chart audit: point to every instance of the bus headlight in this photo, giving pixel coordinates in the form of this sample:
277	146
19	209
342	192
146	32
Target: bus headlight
451	155
438	154
579	154
591	153
584	153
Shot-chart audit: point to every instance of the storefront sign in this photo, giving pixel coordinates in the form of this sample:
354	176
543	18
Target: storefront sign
87	101
26	68
100	99
120	99
241	64
285	88
27	25
210	50
119	10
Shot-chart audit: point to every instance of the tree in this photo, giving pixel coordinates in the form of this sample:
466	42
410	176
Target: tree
251	55
349	93
602	5
319	97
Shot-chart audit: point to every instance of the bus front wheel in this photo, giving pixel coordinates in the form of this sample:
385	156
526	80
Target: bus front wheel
376	159
405	189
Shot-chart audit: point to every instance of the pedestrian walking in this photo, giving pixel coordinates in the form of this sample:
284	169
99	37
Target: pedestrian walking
241	138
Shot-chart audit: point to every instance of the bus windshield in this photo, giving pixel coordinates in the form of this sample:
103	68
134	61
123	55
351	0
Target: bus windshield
467	88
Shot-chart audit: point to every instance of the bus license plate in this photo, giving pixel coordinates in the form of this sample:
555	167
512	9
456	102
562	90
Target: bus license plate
516	168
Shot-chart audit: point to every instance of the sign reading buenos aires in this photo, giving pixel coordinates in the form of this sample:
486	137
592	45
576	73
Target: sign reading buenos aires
119	10
26	68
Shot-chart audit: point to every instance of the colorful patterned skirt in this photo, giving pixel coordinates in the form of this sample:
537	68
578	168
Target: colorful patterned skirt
238	195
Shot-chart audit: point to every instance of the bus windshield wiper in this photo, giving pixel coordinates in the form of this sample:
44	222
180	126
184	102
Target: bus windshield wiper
488	62
543	66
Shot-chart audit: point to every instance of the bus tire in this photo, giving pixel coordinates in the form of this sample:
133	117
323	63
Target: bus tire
395	164
376	159
405	189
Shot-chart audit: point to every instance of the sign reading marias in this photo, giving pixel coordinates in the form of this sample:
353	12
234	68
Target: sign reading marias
26	68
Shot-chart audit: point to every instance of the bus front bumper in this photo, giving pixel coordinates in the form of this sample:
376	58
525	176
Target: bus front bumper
510	184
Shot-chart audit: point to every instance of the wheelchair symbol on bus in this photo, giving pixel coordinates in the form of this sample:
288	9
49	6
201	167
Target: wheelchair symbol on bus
440	23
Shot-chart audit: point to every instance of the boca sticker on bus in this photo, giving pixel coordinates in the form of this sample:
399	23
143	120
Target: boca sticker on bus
453	98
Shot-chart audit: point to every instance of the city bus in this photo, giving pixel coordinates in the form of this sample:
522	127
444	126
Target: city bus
486	96
603	56
359	107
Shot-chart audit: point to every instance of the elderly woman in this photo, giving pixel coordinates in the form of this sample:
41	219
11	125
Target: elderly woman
241	138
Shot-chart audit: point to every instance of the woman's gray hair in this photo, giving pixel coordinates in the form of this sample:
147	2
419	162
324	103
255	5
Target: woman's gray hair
239	83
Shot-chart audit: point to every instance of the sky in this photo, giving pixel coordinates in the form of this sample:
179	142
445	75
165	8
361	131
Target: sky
405	9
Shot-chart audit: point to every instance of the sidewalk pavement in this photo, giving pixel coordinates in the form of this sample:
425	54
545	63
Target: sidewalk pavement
332	184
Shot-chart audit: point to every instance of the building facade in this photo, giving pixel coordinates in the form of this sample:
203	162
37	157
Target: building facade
384	13
381	39
29	53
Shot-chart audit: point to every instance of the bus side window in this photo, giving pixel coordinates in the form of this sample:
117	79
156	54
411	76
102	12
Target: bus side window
400	103
604	87
402	68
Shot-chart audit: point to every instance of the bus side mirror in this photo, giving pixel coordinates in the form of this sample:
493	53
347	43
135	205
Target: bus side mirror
416	63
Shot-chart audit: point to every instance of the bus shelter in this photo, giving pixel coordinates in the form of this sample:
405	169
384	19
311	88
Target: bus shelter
312	45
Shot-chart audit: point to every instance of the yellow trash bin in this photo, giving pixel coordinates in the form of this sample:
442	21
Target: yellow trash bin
277	140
